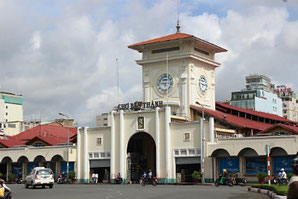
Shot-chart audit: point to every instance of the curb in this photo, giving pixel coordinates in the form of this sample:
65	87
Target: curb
271	194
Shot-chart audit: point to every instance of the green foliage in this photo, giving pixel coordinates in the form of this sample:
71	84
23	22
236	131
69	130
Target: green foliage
72	175
196	175
289	175
11	176
261	175
278	189
1	175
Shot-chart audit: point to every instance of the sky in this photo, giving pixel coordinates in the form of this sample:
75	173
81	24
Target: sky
61	54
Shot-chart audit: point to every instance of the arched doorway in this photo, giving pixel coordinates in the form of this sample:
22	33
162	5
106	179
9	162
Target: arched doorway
141	152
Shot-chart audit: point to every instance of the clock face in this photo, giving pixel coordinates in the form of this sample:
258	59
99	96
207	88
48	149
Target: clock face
203	84
164	83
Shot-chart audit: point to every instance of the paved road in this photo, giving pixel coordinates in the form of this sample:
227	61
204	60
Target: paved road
102	191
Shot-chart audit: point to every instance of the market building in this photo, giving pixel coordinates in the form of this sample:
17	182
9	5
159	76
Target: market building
178	127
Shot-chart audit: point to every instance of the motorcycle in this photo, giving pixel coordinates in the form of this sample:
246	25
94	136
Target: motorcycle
282	181
118	180
239	181
61	179
227	181
152	181
19	180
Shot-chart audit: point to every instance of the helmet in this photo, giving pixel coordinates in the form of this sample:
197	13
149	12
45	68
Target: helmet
224	170
149	170
282	169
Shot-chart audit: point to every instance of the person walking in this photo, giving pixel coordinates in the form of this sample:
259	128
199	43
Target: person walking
93	178
96	178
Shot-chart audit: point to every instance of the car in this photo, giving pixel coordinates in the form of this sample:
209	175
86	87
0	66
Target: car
40	176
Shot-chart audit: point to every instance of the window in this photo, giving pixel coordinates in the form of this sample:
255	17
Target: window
186	136
183	152
6	113
38	144
99	141
90	155
165	50
176	152
11	125
255	165
6	107
96	155
102	155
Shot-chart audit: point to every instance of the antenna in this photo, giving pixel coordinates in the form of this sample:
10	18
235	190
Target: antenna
117	81
178	26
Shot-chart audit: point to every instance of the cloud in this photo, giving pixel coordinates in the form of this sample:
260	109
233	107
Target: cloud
62	56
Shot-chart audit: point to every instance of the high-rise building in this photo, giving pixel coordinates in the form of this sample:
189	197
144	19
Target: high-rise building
11	108
259	96
289	102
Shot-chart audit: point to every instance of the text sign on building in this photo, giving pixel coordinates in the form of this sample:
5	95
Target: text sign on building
139	105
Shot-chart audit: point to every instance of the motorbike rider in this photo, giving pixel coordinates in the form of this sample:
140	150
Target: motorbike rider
144	176
283	174
7	191
118	177
225	175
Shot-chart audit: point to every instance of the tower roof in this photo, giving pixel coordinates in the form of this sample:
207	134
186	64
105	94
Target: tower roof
177	36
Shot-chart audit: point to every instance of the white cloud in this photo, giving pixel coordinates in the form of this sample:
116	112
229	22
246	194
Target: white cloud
63	60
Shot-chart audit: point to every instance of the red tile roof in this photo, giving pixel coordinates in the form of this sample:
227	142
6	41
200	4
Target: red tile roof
50	134
226	108
172	37
293	129
234	120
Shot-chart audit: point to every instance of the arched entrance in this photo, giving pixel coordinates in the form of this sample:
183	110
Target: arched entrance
141	152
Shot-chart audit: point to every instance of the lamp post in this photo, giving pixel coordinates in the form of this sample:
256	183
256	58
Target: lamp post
67	154
202	142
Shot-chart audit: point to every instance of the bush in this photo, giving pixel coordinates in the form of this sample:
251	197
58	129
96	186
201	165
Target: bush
261	175
196	175
11	176
72	175
278	189
1	175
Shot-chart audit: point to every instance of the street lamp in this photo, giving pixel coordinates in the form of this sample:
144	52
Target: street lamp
202	141
67	154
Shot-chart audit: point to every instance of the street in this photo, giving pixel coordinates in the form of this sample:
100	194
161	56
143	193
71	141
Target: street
105	191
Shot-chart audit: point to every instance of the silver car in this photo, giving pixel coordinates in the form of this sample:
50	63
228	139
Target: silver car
40	176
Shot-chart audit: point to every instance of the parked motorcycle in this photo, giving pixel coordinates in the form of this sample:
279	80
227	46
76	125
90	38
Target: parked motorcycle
152	181
61	179
19	180
227	181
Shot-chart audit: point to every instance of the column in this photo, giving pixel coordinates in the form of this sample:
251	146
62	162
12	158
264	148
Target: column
183	97
121	150
112	160
211	129
78	155
168	142
157	134
146	92
86	159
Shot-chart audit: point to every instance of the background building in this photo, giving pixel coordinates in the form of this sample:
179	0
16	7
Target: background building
289	102
103	120
11	109
259	96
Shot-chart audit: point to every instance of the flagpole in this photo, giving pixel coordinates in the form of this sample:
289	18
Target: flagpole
117	81
168	79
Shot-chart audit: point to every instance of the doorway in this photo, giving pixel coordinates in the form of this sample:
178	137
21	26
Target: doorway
141	151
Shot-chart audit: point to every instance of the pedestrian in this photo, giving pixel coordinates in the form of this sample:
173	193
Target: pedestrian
293	184
96	178
93	178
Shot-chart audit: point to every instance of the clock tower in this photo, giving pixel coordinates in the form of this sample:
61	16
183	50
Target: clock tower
178	69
